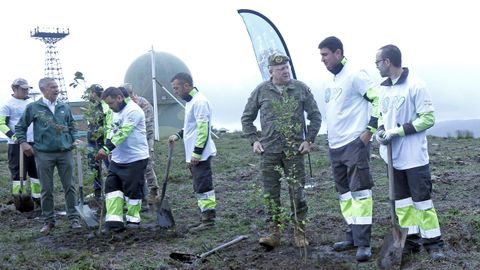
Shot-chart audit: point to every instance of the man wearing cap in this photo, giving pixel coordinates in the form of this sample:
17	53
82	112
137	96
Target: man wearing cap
350	125
55	136
10	113
280	148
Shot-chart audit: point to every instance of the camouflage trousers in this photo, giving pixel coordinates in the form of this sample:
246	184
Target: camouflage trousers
293	168
150	175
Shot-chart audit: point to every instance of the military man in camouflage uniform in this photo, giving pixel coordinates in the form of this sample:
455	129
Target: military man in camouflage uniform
150	126
277	148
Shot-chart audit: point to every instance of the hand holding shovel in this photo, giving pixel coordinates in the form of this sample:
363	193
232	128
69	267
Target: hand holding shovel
390	256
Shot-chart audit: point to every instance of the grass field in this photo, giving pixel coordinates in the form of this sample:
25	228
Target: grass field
456	184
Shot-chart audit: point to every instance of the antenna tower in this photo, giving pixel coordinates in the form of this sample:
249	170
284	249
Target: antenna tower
53	68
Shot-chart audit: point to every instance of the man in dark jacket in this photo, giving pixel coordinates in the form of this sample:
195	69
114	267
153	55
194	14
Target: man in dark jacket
54	137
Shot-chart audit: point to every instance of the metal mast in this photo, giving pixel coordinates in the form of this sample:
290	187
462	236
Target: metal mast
53	68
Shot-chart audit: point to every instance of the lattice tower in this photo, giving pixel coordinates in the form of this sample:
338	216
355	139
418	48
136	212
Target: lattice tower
53	68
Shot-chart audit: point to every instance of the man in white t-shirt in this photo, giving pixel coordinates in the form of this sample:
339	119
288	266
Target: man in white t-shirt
10	113
406	113
129	148
199	146
350	126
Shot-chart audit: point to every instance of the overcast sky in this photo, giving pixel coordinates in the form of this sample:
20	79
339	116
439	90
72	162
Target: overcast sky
437	39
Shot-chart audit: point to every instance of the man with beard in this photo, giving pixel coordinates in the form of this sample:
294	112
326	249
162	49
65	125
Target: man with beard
199	146
128	146
406	113
350	126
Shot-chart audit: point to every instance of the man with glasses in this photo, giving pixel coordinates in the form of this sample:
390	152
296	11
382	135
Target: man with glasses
406	113
350	126
277	148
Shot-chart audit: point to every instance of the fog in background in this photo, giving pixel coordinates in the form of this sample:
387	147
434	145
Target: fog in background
210	37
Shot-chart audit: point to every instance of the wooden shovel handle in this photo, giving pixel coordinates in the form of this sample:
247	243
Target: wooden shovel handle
21	162
236	240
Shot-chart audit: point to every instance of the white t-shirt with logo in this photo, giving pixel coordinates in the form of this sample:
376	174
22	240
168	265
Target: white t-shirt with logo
197	109
346	110
400	104
135	146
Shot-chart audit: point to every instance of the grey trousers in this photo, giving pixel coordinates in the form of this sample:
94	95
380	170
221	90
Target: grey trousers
46	163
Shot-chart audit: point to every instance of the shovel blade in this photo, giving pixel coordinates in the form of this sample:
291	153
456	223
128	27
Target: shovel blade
87	215
23	202
164	215
184	257
390	256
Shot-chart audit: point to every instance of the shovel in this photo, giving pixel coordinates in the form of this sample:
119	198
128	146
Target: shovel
390	256
164	213
192	258
23	202
84	210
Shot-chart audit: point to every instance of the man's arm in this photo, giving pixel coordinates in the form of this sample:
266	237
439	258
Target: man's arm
313	115
372	95
5	129
21	131
249	115
22	125
131	120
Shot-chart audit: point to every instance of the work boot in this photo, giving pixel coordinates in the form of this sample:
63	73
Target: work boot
37	203
204	225
407	250
47	228
75	224
343	245
132	226
273	239
436	254
207	222
152	195
299	236
145	207
363	254
112	230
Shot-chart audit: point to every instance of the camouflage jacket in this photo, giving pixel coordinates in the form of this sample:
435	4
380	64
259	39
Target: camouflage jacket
149	116
263	98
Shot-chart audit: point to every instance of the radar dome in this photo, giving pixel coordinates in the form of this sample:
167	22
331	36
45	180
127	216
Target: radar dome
139	74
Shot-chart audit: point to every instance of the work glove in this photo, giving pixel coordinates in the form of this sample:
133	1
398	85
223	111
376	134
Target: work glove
173	138
385	137
379	137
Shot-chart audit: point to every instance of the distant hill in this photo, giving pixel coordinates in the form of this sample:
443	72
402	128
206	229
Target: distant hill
449	128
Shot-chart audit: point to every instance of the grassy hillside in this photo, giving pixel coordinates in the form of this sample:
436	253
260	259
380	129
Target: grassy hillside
456	184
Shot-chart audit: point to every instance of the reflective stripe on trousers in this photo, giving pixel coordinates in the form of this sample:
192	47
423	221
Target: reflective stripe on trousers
206	201
114	203
418	217
357	207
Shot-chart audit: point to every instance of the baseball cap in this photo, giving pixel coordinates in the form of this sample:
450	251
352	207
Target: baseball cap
22	83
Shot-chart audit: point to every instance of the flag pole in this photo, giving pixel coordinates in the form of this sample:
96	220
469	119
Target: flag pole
154	89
